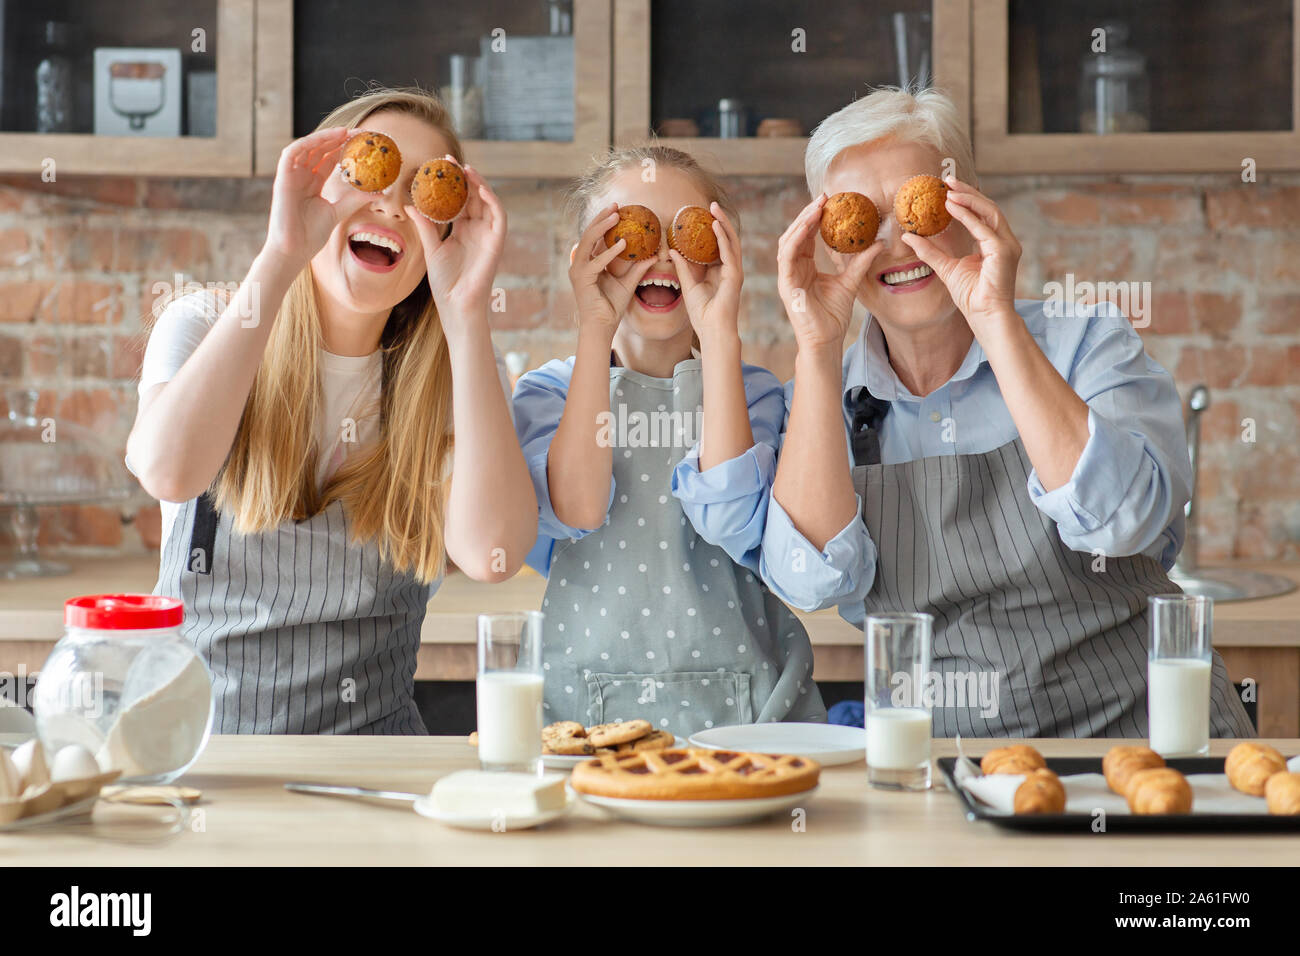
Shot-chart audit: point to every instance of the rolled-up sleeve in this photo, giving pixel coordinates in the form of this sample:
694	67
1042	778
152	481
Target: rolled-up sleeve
727	503
809	578
1128	490
538	405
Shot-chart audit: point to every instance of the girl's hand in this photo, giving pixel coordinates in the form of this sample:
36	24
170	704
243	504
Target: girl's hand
713	303
301	217
601	297
818	304
983	284
462	266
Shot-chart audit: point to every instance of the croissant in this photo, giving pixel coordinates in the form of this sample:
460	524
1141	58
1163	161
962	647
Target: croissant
1282	791
1017	758
1250	764
1159	790
1042	792
1120	763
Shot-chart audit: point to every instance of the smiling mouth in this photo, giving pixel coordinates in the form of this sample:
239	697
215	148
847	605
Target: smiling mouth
659	294
906	277
376	252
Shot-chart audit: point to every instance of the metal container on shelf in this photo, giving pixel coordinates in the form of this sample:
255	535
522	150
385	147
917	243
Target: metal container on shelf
733	119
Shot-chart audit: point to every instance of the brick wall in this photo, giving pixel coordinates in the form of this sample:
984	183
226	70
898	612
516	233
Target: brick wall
79	260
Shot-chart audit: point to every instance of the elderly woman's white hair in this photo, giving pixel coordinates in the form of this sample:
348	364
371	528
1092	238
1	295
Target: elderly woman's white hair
925	116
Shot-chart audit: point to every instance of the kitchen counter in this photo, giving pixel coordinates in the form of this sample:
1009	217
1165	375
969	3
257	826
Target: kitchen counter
1258	639
248	818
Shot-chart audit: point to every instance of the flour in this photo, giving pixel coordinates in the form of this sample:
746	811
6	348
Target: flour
161	731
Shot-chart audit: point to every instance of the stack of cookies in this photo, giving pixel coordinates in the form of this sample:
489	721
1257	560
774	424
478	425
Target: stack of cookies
570	739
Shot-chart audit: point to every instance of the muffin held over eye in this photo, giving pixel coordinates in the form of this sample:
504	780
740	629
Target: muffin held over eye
850	222
439	190
691	234
920	206
370	162
640	227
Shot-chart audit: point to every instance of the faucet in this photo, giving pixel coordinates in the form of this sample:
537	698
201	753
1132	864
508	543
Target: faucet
1197	403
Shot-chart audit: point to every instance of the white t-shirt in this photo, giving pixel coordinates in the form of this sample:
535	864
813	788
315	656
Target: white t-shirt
350	384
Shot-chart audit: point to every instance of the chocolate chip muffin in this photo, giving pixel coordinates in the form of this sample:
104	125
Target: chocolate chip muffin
439	190
640	227
370	162
691	234
920	206
850	222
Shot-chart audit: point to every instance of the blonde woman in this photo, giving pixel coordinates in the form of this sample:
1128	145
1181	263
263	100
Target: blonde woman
300	435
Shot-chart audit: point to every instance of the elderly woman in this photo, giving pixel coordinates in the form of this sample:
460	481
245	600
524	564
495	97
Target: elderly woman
1017	472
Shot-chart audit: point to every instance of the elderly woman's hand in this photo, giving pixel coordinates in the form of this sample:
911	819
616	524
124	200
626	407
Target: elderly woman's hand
982	284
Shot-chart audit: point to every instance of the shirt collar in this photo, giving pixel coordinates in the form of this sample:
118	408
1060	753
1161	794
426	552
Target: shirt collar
868	365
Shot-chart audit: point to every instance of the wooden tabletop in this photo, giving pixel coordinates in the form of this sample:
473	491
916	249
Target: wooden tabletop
248	818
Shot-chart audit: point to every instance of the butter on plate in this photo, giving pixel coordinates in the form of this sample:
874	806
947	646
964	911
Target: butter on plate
484	793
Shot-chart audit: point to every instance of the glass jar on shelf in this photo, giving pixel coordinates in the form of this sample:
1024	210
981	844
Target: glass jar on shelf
55	82
1114	88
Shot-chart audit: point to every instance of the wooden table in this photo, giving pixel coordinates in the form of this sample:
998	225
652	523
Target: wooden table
248	818
1258	639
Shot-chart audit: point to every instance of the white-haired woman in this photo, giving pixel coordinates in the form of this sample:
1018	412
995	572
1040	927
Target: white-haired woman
1021	478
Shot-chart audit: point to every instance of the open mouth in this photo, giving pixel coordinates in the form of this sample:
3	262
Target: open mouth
659	293
908	277
376	252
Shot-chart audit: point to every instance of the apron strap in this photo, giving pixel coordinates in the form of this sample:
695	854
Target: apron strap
866	412
203	538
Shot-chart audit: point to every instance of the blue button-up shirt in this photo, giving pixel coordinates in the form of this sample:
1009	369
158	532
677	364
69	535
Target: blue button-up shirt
1127	492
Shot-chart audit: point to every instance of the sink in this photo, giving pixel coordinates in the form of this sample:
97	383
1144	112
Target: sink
1229	584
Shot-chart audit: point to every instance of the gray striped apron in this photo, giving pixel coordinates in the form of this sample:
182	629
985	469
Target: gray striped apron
646	619
959	538
304	630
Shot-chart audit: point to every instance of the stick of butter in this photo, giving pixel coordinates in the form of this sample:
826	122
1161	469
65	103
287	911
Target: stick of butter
484	793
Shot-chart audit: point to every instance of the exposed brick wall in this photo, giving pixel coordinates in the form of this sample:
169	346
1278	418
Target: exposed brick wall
79	260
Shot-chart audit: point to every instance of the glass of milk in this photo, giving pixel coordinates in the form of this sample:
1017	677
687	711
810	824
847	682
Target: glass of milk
510	691
897	714
1178	675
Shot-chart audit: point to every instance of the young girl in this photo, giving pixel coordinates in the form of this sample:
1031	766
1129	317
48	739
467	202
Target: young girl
650	526
300	435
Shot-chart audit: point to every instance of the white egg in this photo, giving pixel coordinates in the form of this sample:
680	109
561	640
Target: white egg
30	761
11	781
73	762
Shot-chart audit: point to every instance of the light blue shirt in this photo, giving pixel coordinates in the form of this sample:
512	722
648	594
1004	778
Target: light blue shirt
727	504
1126	494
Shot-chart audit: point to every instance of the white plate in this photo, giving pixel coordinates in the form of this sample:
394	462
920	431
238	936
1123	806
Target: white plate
424	806
698	813
828	744
569	761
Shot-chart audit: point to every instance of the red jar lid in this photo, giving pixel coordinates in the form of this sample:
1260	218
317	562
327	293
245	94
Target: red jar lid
123	612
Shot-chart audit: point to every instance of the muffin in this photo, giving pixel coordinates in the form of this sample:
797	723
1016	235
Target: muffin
691	234
919	206
640	227
371	162
439	190
850	222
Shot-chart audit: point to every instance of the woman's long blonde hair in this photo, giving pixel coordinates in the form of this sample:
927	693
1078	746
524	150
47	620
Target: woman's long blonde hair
394	493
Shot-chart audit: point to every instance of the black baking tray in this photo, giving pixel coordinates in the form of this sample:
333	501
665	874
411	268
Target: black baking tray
1121	822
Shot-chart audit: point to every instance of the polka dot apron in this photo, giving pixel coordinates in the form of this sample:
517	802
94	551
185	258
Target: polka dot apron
644	618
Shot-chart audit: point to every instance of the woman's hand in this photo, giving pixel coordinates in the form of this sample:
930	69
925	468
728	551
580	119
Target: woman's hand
982	284
602	297
461	267
301	217
713	303
818	304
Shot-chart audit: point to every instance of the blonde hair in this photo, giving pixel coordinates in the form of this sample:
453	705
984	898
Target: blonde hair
925	116
584	189
394	493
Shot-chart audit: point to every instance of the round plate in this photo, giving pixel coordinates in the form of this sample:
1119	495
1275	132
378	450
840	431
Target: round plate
697	813
569	761
424	807
828	744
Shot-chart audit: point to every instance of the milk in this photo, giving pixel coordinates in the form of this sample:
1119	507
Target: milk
1178	705
898	738
509	717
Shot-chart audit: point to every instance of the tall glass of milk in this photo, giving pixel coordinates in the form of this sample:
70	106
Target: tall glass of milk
1178	675
897	713
510	691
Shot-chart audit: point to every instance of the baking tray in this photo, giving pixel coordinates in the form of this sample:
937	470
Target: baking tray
1121	822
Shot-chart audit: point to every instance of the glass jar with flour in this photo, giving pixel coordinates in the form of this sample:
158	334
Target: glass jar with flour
125	685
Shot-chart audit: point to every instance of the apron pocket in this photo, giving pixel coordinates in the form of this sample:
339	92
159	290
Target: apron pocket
682	702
